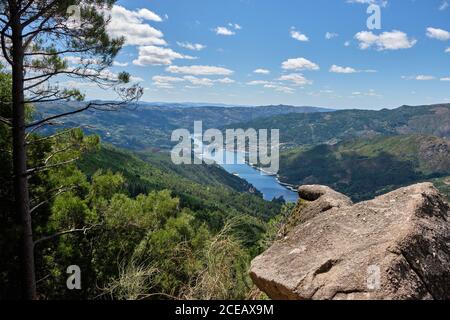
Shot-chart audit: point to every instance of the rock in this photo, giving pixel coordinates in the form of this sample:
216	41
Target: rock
396	246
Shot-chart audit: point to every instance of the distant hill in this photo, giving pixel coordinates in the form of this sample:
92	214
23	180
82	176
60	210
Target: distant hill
145	126
365	168
316	128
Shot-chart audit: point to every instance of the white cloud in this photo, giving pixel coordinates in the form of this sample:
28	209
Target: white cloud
148	15
261	71
299	64
120	64
235	26
131	25
191	46
447	50
225	81
393	40
80	60
420	77
200	70
165	82
296	78
331	35
338	69
258	82
156	56
299	36
199	81
224	31
438	34
445	79
347	43
279	88
167	79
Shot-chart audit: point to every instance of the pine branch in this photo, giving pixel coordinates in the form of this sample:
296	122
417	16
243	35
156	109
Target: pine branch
84	230
48	167
36	128
91	105
59	192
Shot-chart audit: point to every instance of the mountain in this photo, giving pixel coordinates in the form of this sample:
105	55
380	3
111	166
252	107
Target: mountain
365	168
316	128
141	126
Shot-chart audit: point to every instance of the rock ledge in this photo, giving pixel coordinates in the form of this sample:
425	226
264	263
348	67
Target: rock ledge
396	246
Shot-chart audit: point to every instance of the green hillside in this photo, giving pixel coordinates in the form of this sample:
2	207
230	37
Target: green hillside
213	194
318	128
365	168
143	126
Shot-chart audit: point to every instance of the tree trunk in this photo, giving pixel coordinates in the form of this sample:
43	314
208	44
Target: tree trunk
21	193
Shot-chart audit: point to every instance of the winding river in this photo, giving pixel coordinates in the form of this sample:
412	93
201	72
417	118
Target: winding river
268	185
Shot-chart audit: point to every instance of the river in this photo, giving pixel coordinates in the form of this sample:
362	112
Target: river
268	185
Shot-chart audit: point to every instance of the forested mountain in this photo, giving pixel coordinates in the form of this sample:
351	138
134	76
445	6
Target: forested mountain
365	168
317	128
142	126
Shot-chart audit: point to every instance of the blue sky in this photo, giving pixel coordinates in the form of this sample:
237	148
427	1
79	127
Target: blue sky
299	52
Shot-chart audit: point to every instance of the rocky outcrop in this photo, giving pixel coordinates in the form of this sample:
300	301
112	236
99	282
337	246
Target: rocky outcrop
396	246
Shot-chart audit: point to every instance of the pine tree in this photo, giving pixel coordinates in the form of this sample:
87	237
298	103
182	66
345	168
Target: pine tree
41	41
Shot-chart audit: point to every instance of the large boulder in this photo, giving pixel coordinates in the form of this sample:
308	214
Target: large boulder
396	246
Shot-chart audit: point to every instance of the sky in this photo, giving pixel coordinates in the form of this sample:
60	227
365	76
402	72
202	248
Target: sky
296	52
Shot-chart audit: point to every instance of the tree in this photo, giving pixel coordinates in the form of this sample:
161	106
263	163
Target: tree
42	41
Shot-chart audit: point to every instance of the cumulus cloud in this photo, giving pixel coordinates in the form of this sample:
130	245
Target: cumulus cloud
132	26
261	71
258	82
296	78
299	36
299	64
200	70
157	56
120	64
224	31
393	40
445	79
338	69
438	34
191	46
